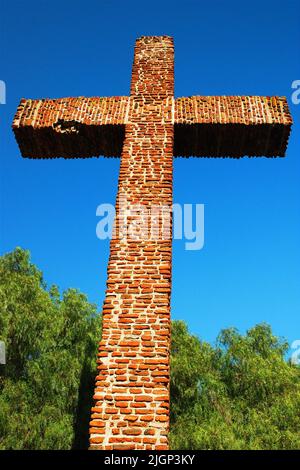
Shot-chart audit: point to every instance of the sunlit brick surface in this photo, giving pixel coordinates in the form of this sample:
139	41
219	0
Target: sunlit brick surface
132	390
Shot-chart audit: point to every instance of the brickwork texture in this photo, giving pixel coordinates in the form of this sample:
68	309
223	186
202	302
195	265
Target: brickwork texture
131	399
132	394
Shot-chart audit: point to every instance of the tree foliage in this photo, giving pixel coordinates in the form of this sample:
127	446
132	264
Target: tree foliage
239	394
51	347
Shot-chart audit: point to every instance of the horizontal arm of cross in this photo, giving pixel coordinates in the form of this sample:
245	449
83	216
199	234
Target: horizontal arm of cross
208	126
231	126
71	127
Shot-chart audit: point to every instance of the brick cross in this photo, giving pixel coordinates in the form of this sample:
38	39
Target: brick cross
147	129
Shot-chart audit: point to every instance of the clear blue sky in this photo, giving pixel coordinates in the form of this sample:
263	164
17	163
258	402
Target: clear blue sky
249	269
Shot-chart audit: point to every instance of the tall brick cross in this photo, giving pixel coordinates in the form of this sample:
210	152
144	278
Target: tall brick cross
147	129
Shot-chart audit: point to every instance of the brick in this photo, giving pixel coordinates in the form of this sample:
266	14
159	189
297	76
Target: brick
143	398
132	431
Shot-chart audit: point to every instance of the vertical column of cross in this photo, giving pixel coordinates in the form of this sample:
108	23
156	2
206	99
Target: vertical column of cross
132	387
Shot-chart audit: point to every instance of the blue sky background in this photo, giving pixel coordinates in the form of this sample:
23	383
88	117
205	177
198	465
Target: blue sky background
249	268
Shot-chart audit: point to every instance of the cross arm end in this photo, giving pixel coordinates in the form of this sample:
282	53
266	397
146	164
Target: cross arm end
232	126
70	127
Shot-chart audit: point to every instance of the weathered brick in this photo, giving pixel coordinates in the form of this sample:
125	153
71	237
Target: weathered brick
146	129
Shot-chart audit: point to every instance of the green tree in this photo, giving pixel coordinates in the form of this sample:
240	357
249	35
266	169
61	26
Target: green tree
51	348
242	394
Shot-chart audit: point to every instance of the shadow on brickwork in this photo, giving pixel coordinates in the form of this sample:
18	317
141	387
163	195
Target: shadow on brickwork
85	402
